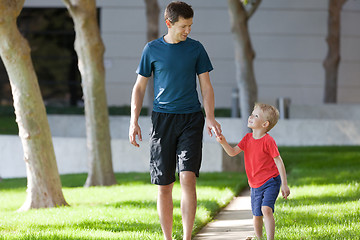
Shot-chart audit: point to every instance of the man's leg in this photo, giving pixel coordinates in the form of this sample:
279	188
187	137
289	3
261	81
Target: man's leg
269	222
165	209
188	202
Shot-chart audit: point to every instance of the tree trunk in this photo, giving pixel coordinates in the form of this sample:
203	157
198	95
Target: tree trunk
43	181
244	57
90	50
332	60
152	19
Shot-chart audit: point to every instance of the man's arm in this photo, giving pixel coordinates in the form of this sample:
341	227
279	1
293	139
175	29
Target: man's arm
137	99
207	93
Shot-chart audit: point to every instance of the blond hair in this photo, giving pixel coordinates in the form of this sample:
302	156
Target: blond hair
271	114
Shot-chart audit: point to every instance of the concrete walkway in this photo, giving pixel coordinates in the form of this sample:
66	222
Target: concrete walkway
233	222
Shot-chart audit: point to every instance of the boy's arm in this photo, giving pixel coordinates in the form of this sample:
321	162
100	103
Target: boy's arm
285	191
231	151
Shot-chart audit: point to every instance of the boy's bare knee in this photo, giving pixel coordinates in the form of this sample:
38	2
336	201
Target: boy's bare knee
267	211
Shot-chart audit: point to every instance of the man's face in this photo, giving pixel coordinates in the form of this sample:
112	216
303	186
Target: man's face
180	29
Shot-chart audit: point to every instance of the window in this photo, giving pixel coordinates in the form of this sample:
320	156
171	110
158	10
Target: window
50	33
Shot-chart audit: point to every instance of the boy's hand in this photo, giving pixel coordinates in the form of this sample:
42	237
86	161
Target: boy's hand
285	191
220	139
213	125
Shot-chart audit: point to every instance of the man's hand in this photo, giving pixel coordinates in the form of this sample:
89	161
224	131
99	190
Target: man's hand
134	130
213	125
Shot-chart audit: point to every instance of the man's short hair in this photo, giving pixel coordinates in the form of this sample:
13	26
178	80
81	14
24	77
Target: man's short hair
271	114
178	9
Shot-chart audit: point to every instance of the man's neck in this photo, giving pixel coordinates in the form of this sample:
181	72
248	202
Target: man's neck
169	39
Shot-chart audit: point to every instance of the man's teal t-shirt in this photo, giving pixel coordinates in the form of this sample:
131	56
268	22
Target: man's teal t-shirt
174	68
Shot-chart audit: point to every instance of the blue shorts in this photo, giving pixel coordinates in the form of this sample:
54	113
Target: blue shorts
265	195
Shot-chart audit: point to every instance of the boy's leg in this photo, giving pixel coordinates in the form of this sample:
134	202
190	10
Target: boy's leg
165	209
256	195
269	222
268	204
188	202
258	226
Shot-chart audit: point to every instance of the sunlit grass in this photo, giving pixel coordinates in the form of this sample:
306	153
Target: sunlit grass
125	211
325	194
324	202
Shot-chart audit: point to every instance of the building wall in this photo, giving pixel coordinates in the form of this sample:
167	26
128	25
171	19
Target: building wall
69	140
288	37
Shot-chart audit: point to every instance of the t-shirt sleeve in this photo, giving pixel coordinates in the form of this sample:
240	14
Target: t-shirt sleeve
203	63
272	148
242	143
144	68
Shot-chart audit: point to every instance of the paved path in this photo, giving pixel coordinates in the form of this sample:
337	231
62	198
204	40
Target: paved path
233	222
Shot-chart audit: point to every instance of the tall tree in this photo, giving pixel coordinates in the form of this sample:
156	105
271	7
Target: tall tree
332	60
152	19
43	181
240	13
90	51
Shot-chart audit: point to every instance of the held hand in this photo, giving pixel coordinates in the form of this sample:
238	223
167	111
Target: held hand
220	139
134	130
285	191
213	125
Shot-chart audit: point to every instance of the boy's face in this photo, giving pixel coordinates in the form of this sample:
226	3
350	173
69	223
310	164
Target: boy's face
257	119
180	29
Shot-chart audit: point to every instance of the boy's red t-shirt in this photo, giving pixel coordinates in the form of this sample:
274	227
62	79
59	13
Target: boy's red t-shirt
259	157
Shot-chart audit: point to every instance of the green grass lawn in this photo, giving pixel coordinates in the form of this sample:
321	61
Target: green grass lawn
124	211
325	194
324	202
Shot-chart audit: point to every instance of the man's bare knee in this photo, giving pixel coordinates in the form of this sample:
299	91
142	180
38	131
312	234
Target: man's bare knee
165	189
187	178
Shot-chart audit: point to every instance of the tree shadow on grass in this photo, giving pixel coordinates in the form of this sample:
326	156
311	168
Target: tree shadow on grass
134	204
319	200
211	206
302	177
216	180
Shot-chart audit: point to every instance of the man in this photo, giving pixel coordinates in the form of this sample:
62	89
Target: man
177	119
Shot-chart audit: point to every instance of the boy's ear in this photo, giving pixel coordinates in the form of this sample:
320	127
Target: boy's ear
266	124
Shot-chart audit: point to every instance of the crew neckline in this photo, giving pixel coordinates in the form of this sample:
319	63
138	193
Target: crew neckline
172	44
252	135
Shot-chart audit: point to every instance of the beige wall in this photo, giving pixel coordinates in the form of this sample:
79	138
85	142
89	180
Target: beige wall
288	37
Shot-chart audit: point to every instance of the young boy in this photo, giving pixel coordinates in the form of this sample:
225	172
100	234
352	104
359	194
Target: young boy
264	167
